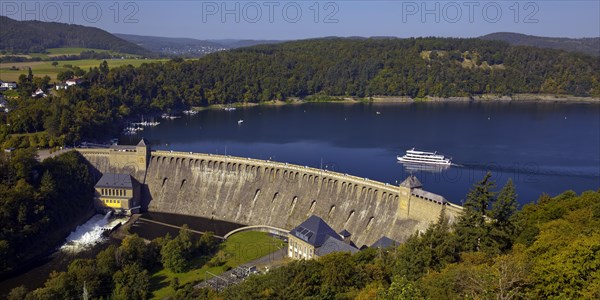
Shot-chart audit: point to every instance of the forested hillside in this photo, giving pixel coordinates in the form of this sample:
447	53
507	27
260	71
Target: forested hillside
590	46
310	69
36	36
40	203
361	68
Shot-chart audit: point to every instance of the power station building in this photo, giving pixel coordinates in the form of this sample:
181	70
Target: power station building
119	193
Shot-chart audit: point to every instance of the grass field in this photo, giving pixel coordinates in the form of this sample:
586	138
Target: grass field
43	68
240	248
52	52
71	51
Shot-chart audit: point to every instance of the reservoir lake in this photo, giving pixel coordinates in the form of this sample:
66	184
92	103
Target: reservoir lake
545	147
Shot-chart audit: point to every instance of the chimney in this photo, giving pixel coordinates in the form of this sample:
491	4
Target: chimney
345	235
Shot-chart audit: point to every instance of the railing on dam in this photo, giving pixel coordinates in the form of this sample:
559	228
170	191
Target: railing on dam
279	165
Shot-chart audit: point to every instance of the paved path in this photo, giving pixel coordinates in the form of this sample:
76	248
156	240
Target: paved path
43	154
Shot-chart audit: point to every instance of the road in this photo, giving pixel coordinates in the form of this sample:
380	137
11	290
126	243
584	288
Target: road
43	154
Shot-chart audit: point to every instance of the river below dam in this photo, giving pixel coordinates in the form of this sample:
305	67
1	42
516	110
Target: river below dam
545	147
87	240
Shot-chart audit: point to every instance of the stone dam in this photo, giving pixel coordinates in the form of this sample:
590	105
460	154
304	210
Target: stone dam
258	192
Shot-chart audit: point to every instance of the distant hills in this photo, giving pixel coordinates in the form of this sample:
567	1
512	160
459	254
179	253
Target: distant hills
36	36
196	47
188	46
590	46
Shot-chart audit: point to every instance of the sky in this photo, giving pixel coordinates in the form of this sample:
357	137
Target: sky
285	20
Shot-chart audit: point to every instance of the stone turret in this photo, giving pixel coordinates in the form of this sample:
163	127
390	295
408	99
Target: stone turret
143	150
406	188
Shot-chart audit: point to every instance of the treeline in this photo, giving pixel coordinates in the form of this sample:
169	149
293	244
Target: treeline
39	203
309	69
359	68
123	272
88	54
36	36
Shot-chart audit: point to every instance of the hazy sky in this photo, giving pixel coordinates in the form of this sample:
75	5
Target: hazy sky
304	19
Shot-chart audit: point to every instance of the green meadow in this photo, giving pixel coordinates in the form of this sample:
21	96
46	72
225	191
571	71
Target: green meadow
11	71
238	249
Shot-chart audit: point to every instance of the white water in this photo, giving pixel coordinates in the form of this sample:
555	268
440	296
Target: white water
90	233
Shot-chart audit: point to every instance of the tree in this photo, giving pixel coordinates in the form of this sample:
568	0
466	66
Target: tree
429	251
472	227
132	250
338	273
402	289
131	283
503	210
176	252
18	293
172	256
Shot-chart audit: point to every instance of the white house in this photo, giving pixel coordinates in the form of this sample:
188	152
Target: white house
39	93
61	86
8	85
74	81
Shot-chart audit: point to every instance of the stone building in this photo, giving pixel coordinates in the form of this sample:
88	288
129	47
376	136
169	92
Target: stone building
314	238
119	193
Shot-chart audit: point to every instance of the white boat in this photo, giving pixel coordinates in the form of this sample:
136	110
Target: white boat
229	108
190	112
424	157
240	122
169	117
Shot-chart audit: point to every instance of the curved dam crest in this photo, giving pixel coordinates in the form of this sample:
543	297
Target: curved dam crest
258	192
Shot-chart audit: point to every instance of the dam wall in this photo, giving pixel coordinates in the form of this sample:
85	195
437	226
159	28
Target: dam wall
258	192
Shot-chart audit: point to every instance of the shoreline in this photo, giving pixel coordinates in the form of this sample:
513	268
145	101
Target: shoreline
517	98
485	98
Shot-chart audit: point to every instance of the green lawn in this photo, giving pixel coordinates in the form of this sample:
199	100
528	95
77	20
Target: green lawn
240	248
42	68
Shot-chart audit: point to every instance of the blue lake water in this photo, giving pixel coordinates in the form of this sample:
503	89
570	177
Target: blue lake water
545	147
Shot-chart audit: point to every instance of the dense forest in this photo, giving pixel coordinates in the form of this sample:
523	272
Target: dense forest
360	68
589	46
39	203
547	250
35	36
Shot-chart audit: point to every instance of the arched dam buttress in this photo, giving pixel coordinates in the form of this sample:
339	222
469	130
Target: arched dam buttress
258	192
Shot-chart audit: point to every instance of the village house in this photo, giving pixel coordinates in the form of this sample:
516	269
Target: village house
73	81
39	93
60	86
5	85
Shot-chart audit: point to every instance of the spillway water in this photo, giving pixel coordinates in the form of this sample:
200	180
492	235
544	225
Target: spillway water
91	232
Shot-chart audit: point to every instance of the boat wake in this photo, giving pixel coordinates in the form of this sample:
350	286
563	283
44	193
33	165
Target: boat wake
527	169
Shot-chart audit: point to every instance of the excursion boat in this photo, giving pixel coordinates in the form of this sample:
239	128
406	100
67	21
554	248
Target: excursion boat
424	157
